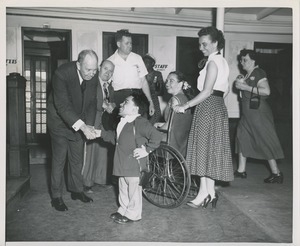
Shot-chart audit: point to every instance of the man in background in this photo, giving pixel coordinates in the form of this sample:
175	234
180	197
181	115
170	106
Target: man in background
99	154
130	70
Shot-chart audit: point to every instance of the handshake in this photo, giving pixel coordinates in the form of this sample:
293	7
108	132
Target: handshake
90	132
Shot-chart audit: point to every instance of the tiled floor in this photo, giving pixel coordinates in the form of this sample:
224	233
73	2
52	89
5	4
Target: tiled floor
248	211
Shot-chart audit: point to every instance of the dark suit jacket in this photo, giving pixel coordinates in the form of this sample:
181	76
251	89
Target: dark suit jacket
145	134
67	104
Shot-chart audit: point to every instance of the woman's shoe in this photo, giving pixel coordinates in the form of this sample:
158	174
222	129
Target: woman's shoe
202	204
242	175
274	178
214	201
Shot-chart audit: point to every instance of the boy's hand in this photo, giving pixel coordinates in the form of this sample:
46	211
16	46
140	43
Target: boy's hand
139	153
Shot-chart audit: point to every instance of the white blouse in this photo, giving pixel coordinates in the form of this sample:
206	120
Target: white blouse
221	83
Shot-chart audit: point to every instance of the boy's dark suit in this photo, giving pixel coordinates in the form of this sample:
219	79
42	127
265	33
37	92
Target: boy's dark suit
67	103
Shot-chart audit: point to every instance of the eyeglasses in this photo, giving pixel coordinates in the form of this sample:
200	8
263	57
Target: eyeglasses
244	60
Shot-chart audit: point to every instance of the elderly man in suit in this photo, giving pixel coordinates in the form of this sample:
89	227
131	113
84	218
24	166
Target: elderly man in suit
98	153
71	115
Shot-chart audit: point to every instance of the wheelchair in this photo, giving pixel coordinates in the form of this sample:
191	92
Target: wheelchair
170	180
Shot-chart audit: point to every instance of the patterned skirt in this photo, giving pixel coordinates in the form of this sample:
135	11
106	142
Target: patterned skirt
209	152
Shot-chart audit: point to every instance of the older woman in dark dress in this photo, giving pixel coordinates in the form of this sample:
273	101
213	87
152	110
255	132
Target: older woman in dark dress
256	135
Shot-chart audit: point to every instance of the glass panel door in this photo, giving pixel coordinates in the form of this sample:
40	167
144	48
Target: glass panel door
37	76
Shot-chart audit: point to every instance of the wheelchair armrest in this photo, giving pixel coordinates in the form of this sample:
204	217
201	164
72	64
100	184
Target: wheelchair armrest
162	130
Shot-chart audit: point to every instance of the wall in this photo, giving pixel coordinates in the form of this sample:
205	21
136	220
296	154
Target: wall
236	42
88	34
162	41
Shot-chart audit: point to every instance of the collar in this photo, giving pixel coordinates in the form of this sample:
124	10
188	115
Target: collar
117	53
212	54
102	81
79	76
129	118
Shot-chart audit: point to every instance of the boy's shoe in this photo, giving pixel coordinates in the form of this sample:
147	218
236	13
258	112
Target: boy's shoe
115	215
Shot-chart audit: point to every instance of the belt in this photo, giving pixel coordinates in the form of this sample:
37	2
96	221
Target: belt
217	93
129	90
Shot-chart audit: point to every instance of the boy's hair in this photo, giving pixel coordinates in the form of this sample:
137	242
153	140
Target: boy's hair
141	101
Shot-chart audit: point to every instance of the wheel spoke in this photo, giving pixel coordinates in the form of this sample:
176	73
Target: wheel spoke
169	185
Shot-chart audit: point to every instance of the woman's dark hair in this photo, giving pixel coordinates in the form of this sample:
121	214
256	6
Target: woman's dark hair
141	101
252	54
215	35
186	87
122	33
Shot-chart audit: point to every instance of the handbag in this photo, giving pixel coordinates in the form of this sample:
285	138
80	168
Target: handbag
254	99
145	173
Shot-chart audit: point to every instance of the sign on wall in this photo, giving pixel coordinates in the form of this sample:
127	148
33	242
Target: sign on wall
164	50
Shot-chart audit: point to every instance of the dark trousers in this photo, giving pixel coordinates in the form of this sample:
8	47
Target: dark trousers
65	150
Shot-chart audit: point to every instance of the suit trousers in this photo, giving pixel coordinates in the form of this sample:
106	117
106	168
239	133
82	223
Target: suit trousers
130	197
98	162
64	150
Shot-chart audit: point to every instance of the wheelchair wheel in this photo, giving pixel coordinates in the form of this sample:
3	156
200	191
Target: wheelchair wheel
170	181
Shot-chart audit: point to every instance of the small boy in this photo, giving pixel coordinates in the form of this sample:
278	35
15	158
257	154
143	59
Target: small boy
136	138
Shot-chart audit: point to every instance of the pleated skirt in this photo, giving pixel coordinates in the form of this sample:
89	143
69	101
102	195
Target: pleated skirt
209	152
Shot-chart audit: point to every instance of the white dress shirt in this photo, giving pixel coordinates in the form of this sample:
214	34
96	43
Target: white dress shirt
128	73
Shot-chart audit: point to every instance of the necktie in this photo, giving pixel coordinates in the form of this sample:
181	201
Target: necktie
106	91
83	86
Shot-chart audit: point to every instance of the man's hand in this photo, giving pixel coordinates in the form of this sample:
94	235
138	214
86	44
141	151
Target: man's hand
139	153
98	133
89	131
110	107
151	108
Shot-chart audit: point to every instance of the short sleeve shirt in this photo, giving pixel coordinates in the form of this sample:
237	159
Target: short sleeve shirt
128	74
221	83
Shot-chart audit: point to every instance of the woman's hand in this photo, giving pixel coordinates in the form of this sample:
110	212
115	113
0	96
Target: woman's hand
179	109
241	84
139	153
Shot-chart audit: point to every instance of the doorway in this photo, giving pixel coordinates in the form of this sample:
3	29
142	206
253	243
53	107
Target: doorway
276	59
44	50
187	58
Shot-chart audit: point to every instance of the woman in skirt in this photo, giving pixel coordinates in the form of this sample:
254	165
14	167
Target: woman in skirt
208	152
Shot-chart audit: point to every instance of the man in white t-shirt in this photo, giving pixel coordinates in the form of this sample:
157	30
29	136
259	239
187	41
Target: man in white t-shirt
130	71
